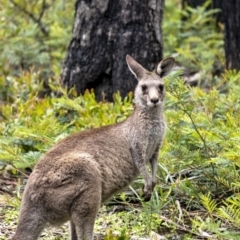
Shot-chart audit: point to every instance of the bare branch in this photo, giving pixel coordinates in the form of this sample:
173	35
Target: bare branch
32	17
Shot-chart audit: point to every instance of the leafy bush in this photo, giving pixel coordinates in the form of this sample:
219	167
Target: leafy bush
34	34
196	41
200	150
31	125
202	146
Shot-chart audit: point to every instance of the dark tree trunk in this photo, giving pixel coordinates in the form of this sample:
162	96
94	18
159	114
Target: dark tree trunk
104	32
230	17
218	4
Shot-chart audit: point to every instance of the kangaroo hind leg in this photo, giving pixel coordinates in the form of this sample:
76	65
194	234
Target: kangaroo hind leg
83	213
82	226
73	232
30	225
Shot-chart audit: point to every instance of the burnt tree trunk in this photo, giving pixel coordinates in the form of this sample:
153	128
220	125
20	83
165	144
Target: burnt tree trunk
104	32
230	17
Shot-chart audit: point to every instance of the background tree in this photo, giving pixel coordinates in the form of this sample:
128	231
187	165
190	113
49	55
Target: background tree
103	33
230	17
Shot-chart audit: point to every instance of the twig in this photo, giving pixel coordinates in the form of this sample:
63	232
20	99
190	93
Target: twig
207	149
31	16
44	7
179	209
180	227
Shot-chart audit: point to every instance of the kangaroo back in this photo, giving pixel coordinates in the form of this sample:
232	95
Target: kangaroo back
84	170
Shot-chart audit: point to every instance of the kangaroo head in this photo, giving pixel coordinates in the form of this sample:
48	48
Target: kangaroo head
150	90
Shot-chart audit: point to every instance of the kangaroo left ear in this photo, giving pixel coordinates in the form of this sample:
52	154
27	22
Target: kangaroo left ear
136	68
165	66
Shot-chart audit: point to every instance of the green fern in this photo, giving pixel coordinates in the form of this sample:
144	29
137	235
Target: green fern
208	203
111	236
231	210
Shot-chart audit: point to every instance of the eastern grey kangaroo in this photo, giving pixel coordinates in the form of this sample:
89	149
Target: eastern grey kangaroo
85	169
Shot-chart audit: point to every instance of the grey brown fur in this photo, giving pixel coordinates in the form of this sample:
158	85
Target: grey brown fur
85	169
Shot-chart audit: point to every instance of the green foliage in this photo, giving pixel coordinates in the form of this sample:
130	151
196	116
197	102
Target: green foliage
196	41
34	34
138	222
202	146
208	203
123	236
33	125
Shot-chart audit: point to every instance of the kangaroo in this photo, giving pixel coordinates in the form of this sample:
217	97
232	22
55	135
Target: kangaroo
78	174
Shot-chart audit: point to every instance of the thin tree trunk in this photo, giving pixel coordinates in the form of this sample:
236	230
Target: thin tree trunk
231	17
103	33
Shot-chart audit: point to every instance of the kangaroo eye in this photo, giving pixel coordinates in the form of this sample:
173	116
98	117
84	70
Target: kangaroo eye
161	88
144	88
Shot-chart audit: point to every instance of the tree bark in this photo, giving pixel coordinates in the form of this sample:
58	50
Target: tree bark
104	32
231	17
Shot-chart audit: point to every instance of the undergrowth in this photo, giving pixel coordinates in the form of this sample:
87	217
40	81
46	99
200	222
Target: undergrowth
198	172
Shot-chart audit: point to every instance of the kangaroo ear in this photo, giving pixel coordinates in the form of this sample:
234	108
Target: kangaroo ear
135	67
165	66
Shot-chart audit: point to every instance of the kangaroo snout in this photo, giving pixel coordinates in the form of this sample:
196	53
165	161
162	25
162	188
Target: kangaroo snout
154	96
154	100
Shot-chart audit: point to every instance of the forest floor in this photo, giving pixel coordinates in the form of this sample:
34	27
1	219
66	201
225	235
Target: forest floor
8	210
10	186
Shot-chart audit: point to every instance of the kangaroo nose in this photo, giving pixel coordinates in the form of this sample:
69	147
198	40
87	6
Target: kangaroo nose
154	100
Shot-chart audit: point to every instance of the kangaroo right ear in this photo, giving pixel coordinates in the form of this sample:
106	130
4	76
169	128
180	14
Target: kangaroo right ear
165	66
135	67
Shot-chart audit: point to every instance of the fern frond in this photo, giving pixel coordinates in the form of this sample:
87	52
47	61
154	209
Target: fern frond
231	210
9	153
233	186
224	182
43	130
28	159
208	203
69	104
234	200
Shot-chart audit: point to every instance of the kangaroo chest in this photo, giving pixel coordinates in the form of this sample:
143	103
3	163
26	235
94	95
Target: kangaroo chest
149	137
144	133
153	139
